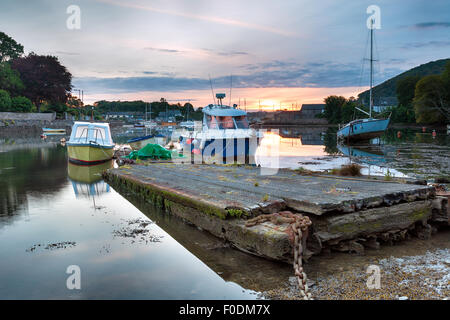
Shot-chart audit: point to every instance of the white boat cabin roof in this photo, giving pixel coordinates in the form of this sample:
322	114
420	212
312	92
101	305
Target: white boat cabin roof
87	132
223	111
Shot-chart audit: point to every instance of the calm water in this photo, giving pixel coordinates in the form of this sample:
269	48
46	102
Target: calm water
53	215
41	205
414	154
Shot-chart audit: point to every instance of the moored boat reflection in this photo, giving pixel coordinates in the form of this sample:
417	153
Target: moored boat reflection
87	180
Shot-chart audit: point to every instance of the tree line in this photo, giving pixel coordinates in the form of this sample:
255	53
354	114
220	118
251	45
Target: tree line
424	100
155	107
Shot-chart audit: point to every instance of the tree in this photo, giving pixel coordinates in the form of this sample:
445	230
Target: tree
9	48
333	108
45	79
21	104
10	79
405	90
5	101
430	102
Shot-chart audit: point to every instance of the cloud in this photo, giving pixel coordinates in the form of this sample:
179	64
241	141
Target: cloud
164	50
429	25
280	75
66	53
435	43
231	53
213	19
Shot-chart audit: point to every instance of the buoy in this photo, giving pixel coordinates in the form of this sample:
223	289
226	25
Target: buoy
424	129
399	134
196	151
434	133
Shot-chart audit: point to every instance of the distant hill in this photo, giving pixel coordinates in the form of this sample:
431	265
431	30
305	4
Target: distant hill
384	93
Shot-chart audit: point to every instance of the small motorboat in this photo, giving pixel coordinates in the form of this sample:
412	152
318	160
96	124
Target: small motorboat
52	131
90	143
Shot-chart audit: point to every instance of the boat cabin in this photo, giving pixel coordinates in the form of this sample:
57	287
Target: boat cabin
224	117
88	132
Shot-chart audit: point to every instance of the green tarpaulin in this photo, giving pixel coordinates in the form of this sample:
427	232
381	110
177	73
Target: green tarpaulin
151	151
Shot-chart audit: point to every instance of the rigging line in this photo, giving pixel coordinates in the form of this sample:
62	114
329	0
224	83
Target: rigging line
363	62
212	91
377	64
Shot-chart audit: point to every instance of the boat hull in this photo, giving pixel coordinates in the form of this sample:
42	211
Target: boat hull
88	174
363	131
89	154
225	150
138	143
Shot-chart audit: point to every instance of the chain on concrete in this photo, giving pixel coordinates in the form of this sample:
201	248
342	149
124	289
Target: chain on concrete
299	225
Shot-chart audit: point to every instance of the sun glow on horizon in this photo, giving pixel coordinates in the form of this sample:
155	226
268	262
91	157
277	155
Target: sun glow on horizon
249	99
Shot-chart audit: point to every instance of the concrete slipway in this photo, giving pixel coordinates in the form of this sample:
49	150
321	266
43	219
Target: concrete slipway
348	214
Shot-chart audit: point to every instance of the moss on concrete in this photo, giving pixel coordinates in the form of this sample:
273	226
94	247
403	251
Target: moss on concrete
162	199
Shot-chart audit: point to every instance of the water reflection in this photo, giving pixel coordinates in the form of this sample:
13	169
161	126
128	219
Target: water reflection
87	180
26	169
410	153
45	203
368	154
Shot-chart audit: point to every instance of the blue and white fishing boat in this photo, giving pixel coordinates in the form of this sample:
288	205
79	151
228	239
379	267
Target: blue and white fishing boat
367	128
225	133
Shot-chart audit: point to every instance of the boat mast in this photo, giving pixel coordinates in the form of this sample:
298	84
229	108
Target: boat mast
371	69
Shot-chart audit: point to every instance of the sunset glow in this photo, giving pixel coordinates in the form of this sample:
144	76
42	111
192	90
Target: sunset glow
248	98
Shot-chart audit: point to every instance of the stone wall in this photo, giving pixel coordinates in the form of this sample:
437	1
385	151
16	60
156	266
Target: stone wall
12	128
27	116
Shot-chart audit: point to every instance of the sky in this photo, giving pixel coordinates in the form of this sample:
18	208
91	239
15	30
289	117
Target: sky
273	54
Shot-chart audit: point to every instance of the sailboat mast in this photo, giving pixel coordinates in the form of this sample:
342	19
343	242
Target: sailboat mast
371	69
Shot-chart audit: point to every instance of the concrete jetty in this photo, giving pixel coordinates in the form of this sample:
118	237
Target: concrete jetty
348	214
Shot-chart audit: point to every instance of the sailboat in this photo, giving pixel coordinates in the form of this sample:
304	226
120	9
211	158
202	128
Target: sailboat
367	128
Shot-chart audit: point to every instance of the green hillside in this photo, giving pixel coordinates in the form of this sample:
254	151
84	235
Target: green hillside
386	90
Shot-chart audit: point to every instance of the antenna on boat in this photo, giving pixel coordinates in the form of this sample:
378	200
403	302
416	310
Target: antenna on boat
212	91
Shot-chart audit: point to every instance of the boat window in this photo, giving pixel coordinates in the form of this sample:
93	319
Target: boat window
99	134
226	122
211	122
241	122
81	132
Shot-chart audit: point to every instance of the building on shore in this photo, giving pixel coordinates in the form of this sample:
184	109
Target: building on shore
310	111
124	115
